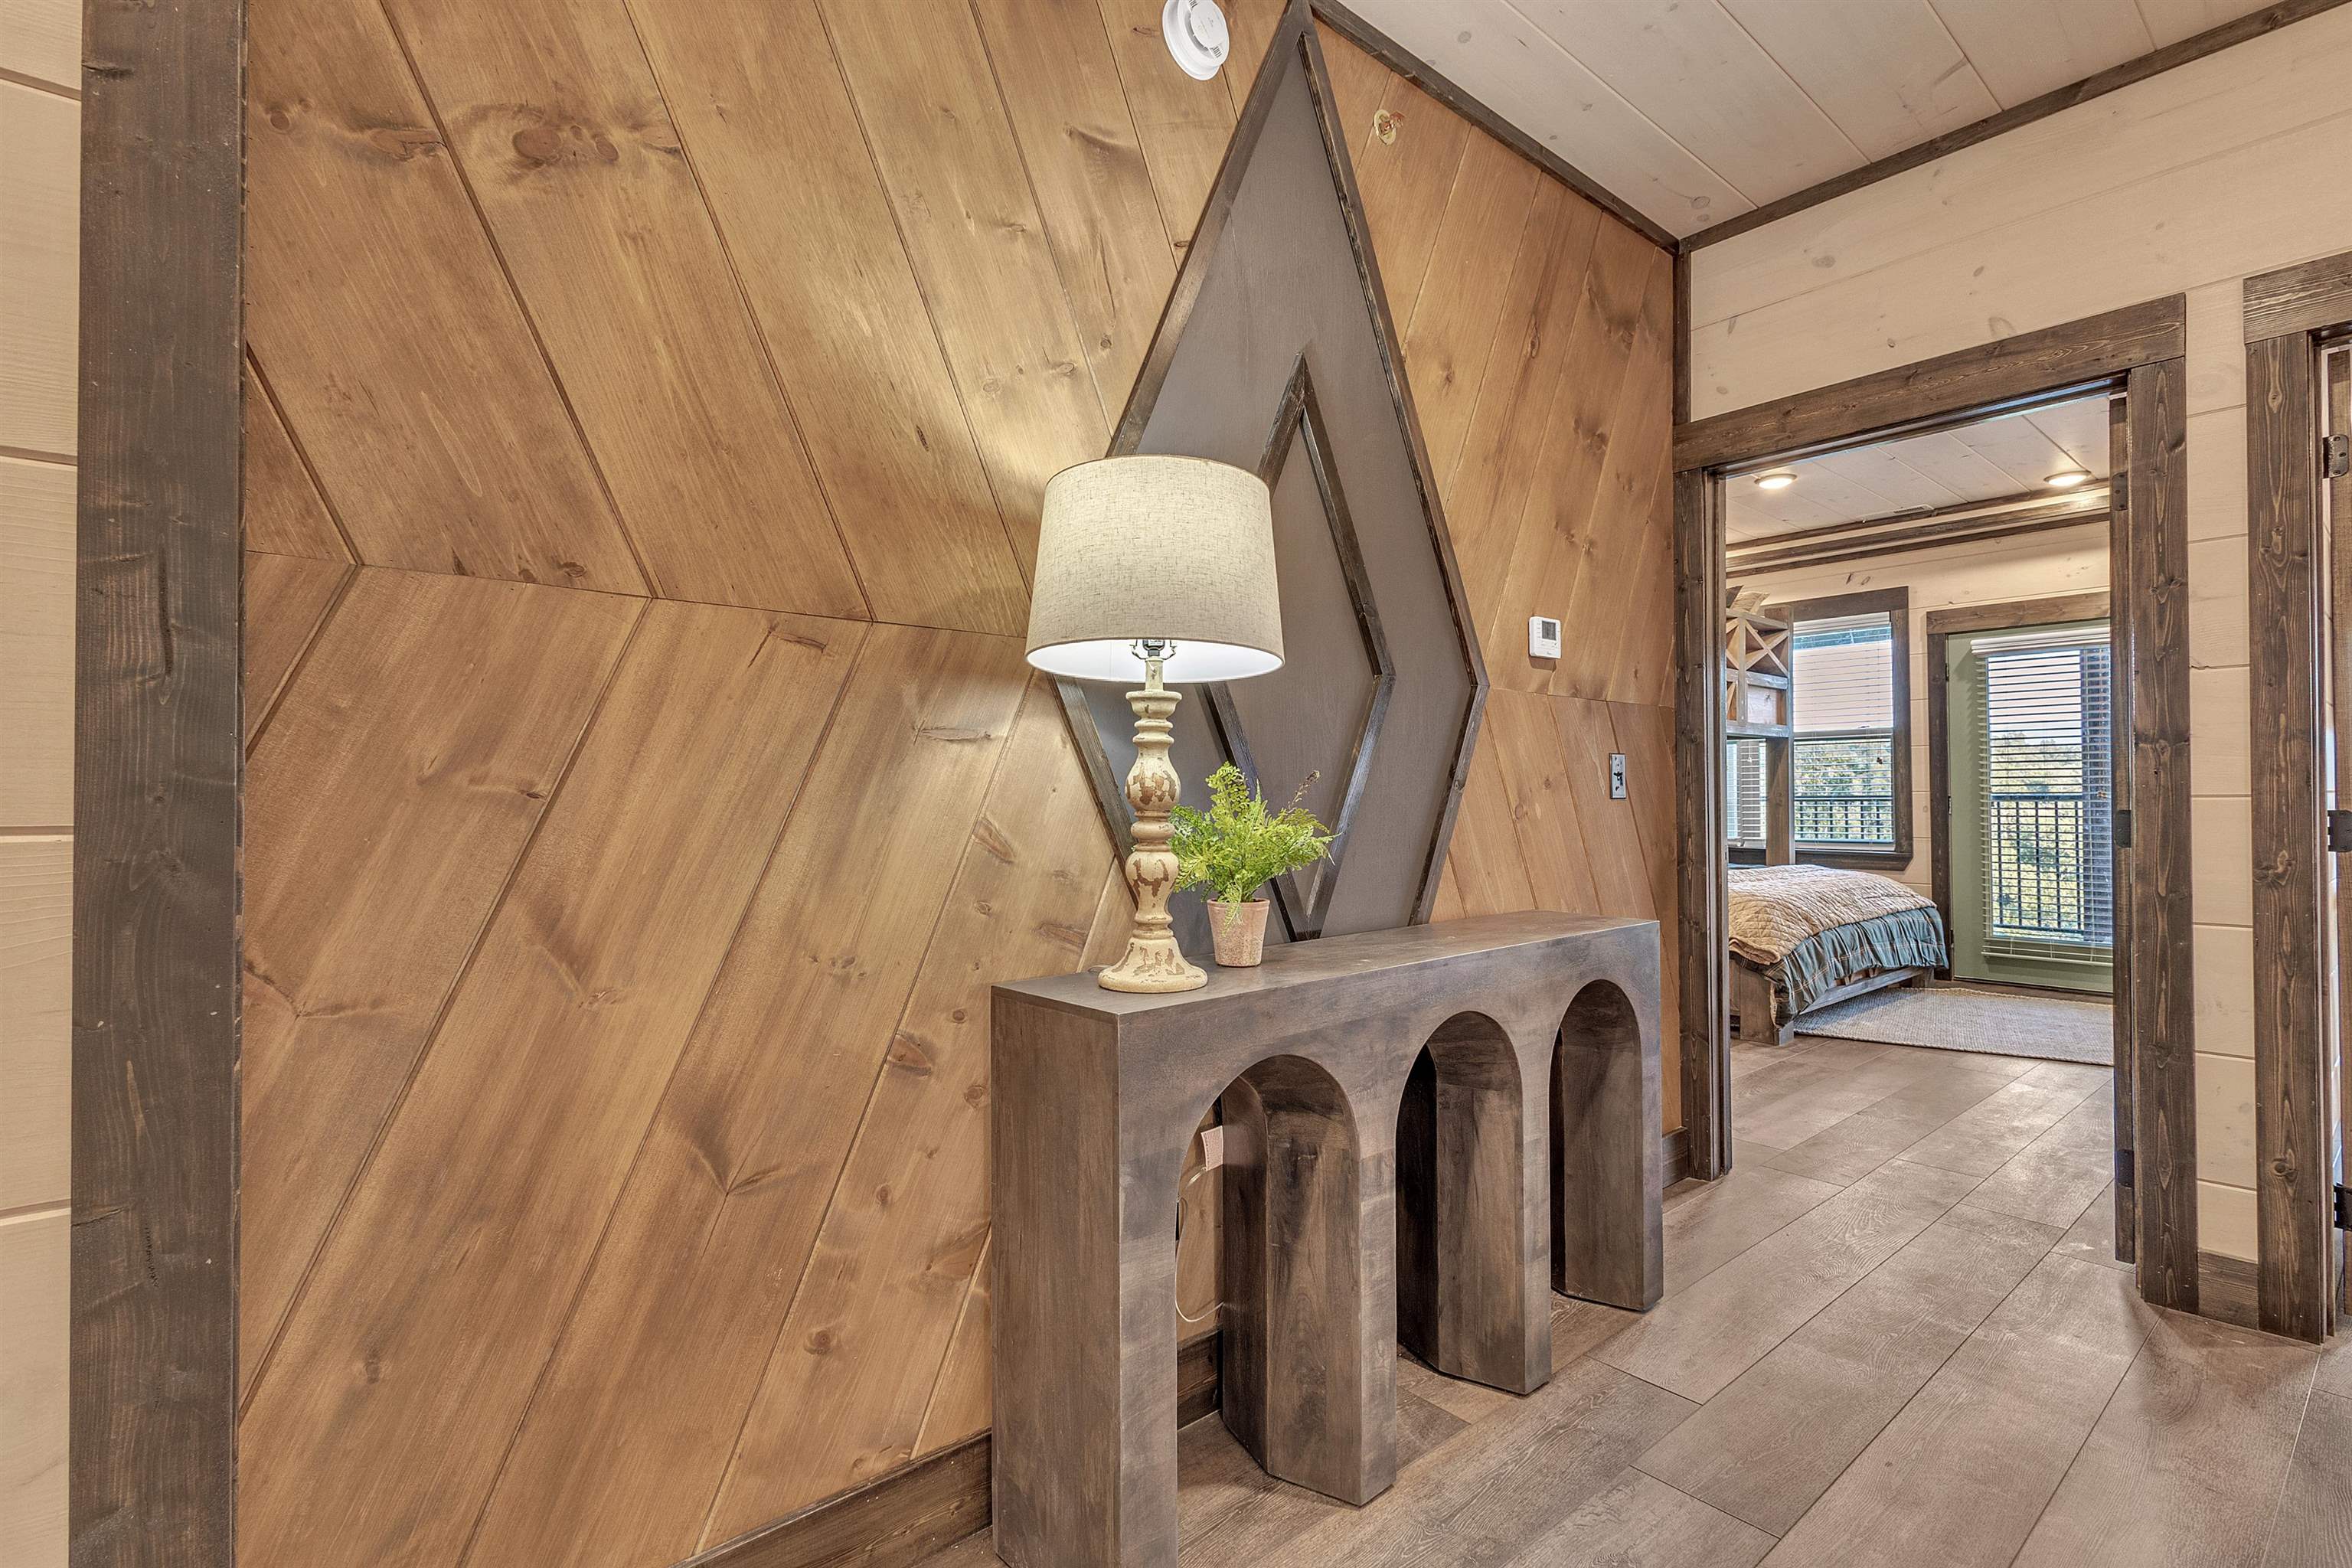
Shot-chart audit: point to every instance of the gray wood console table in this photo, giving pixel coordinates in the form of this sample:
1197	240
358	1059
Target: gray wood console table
1373	1193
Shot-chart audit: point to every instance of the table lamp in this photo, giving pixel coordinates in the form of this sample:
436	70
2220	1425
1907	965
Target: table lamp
1165	564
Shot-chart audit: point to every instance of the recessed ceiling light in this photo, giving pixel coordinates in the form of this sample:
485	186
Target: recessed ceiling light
2067	478
1780	480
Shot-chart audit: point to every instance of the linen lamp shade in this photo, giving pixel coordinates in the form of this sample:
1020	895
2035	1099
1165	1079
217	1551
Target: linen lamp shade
1157	549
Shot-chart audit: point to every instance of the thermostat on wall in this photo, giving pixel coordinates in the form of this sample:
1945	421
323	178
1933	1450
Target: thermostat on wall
1543	637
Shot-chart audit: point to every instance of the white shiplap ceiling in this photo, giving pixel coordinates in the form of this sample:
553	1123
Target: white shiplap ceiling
1990	460
1695	111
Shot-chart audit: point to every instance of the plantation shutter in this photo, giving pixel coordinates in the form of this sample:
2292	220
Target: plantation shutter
1743	793
2046	765
1842	704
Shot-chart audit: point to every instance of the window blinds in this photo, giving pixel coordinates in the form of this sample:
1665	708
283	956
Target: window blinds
2046	762
1842	704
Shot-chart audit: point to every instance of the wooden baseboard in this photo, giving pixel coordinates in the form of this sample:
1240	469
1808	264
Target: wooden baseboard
1674	1151
897	1520
2227	1290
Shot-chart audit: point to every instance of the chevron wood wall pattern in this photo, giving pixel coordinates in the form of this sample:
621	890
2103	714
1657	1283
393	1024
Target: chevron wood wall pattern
648	407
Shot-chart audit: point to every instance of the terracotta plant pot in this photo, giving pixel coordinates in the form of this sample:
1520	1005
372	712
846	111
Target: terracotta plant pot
1239	931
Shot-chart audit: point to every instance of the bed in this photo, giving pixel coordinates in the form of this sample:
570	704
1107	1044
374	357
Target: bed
1803	937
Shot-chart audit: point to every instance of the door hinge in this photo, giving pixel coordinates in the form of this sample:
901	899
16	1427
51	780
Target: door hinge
2343	1207
2123	830
2336	456
2339	832
2119	491
2123	1168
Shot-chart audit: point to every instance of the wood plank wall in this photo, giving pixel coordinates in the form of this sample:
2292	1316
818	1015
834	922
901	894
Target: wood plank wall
2190	181
648	405
40	143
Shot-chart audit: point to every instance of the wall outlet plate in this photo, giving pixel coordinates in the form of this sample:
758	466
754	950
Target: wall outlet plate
1616	776
1543	637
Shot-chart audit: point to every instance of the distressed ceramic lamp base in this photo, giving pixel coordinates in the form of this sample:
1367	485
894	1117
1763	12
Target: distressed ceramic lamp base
1153	962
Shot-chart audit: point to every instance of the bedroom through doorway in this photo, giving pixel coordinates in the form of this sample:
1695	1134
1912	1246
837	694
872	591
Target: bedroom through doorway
1926	759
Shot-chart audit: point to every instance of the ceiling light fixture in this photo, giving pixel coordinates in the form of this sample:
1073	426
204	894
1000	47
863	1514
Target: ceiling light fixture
2067	478
1196	34
1780	479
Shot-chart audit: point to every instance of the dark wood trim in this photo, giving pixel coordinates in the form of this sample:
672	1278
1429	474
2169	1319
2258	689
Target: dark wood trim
2286	655
2001	509
1903	533
1940	626
1896	602
2055	610
1673	1156
899	1519
2028	370
1427	77
2309	297
1682	337
2156	600
2211	41
892	1521
1740	571
1698	817
2122	635
2140	348
158	782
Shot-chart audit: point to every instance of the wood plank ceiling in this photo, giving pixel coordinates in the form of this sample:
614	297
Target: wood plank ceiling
1698	111
1992	459
645	784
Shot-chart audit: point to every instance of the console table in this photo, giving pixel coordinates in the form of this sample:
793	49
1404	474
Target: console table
1373	1193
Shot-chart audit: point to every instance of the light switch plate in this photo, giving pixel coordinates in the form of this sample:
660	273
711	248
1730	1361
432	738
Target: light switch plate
1616	776
1543	637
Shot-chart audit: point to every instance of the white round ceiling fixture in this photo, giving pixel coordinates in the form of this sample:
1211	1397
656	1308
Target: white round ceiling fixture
1195	31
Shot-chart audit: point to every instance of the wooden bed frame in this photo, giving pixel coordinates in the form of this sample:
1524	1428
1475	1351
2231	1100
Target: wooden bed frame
1751	1001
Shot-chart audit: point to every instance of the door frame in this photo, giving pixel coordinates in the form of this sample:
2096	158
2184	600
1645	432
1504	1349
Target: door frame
2289	313
159	777
2139	351
1962	620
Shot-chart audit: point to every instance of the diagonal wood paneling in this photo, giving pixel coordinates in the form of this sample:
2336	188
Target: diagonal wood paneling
754	89
854	1365
554	116
936	126
286	601
1086	165
432	1305
284	512
713	1231
1182	124
419	794
377	308
615	1179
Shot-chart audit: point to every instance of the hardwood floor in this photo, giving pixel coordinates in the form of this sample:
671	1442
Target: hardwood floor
1895	1333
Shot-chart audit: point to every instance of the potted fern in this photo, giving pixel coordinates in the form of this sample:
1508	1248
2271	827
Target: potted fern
1235	848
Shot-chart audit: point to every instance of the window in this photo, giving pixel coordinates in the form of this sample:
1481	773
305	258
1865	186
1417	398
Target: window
1743	794
2045	757
1851	707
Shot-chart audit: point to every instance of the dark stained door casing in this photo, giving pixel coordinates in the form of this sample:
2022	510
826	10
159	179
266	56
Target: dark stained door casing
1276	354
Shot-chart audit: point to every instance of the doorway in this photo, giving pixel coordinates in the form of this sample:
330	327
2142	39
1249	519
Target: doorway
2132	364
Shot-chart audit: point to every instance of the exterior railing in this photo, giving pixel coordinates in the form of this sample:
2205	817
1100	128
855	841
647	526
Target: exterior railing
2037	867
1844	819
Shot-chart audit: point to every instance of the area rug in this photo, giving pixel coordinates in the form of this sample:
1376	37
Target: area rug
1954	1018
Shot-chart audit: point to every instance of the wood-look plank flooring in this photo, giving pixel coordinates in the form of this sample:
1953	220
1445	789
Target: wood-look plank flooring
1895	1333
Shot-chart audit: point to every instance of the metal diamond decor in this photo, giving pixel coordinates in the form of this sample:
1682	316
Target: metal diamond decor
1276	353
